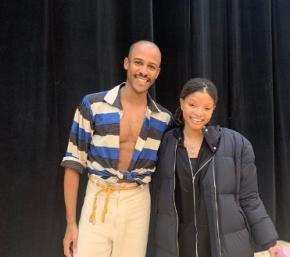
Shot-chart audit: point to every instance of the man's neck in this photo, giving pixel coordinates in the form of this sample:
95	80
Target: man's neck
132	98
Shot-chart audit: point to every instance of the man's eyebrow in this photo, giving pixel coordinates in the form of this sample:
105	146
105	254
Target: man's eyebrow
140	59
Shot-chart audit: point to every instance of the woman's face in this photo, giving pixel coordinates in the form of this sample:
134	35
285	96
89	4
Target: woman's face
197	109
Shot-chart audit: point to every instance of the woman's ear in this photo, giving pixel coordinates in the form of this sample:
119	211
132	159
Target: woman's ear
181	102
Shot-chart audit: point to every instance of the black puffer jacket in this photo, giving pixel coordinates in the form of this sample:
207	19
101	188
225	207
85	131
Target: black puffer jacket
236	214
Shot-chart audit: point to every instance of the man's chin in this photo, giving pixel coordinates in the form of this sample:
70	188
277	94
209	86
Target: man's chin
143	86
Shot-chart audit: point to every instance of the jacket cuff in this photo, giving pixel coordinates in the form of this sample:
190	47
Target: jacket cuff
268	245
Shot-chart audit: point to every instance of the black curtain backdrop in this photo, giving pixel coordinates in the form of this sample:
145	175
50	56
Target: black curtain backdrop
52	52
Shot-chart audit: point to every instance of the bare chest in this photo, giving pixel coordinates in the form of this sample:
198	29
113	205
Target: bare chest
130	125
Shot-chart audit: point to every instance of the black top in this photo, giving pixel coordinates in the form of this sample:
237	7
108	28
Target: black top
184	198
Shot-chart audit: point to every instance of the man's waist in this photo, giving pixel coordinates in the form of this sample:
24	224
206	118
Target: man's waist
116	185
116	176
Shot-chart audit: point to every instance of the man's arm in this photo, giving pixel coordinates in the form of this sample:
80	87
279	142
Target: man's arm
71	186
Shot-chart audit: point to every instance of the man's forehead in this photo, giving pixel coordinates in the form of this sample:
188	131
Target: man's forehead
141	53
144	47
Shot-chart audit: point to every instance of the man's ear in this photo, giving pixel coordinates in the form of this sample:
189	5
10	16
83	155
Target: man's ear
158	72
126	63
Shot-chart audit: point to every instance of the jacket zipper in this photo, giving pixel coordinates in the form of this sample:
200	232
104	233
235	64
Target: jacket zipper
194	201
173	197
217	213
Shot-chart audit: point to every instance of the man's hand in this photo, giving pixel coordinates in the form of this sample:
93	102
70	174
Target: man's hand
70	241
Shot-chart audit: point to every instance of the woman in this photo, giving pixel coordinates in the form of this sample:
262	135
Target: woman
205	196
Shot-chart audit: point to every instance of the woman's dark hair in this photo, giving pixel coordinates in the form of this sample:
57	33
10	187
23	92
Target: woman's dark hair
192	86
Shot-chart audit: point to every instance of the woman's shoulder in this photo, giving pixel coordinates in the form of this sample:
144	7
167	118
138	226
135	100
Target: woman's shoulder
173	133
235	136
170	136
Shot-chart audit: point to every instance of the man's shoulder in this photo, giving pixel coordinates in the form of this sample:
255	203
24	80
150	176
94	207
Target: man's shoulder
95	97
164	116
102	96
163	109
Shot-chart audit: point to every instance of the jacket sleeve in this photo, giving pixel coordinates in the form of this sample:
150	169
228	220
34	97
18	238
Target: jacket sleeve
154	192
261	226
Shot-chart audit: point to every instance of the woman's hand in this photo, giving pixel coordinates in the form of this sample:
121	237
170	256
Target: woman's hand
273	251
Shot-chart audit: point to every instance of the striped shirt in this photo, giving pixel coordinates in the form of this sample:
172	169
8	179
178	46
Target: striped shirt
94	138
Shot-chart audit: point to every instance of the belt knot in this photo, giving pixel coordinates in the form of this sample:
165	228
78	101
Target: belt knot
108	189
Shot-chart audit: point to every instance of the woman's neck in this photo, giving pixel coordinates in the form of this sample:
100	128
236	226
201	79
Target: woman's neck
192	134
192	141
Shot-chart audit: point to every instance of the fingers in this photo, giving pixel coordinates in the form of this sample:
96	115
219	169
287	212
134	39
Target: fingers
70	240
67	247
75	244
274	251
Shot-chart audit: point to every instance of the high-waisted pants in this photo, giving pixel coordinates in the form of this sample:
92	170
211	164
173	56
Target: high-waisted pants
114	222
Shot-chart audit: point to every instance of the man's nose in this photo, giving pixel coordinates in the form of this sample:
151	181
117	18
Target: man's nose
144	70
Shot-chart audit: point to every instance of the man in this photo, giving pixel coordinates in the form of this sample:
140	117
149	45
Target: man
115	137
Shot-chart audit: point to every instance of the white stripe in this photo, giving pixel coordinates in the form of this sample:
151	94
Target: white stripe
162	116
112	94
103	108
97	166
152	144
79	156
106	141
83	122
142	170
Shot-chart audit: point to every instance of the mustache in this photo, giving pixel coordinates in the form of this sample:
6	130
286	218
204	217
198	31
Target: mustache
140	75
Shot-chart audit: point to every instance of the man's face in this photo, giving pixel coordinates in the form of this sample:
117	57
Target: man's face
143	67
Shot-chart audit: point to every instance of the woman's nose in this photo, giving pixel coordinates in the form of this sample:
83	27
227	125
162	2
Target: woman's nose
198	111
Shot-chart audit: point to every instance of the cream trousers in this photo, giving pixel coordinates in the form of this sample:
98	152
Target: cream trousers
114	220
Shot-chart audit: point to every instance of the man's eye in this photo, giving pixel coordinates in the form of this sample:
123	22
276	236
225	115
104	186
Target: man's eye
152	67
137	63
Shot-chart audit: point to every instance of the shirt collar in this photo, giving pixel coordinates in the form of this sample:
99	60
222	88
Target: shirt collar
113	98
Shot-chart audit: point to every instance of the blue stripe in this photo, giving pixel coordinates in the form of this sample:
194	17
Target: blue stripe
107	118
160	125
146	123
86	102
68	154
135	155
147	173
104	152
80	133
102	173
130	176
148	154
